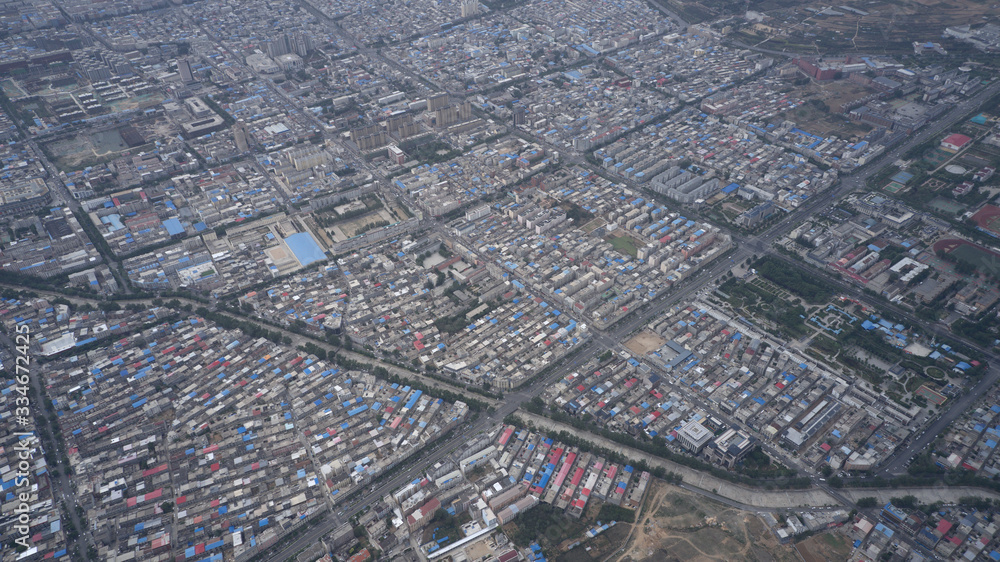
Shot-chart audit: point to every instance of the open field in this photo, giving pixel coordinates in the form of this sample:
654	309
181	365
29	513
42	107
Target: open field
984	260
599	547
677	525
624	244
644	342
824	121
828	547
934	373
359	225
79	151
988	218
11	89
946	206
399	210
885	27
141	101
106	142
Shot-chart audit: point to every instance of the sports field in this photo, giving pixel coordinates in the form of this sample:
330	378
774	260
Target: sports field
948	206
988	218
984	260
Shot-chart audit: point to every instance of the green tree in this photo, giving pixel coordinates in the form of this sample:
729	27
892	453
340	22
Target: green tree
867	502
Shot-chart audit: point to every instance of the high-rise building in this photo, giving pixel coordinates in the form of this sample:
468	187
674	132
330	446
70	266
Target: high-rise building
519	117
470	8
298	43
301	44
437	101
449	115
184	67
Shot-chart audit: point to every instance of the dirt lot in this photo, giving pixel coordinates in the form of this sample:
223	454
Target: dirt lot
828	547
599	547
834	94
677	525
349	229
644	342
77	152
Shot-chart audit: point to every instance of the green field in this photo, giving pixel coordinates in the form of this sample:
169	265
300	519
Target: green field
983	260
625	245
11	89
934	373
946	205
915	382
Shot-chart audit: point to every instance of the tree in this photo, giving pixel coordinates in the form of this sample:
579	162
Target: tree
867	502
167	507
905	502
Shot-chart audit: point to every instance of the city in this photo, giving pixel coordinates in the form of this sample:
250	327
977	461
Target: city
642	280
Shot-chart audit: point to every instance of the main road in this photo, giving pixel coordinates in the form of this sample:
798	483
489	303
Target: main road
609	339
897	462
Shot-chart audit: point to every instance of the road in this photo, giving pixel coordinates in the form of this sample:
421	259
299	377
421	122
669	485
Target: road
512	402
610	339
62	487
896	463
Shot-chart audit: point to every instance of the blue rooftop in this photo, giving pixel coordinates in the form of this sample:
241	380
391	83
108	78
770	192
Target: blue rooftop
305	248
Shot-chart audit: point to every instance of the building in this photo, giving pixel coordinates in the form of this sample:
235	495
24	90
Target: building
818	70
955	142
693	436
924	47
730	448
519	115
887	210
893	514
262	64
984	174
23	197
184	67
757	215
513	510
197	107
297	43
422	515
290	62
437	101
508	496
451	114
683	185
396	154
470	8
307	156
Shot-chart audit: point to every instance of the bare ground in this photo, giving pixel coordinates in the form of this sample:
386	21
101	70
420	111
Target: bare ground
644	342
679	525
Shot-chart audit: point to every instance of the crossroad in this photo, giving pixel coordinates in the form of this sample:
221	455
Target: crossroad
602	340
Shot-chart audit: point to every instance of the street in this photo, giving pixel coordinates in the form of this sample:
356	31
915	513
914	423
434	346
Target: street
611	339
